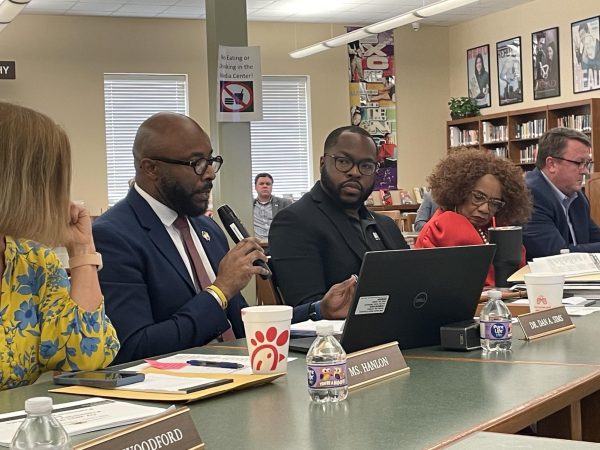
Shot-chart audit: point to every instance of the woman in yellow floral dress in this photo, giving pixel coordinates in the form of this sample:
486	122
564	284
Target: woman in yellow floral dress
46	323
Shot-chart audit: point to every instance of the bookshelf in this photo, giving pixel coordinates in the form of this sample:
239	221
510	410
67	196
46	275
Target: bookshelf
515	134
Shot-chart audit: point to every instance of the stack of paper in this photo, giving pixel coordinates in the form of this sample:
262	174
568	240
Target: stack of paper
309	328
154	382
84	416
570	264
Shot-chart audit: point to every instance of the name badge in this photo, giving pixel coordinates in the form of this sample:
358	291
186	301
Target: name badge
174	430
375	364
543	323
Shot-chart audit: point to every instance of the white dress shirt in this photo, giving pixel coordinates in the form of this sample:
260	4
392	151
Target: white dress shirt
167	216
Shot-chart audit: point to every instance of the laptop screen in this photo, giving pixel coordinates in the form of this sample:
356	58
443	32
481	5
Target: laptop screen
406	295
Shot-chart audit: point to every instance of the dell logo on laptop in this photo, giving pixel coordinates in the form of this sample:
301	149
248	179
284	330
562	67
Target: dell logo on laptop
420	300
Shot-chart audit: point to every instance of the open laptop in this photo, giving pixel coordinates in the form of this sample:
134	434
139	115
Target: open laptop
406	295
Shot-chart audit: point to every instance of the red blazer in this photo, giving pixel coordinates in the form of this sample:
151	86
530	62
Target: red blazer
450	229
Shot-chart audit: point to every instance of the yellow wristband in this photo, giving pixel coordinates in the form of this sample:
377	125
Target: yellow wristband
219	292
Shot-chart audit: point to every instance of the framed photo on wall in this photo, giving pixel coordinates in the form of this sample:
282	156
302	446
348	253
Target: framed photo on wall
585	42
545	63
510	82
478	75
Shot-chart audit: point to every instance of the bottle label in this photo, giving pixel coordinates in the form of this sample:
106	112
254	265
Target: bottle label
495	330
327	376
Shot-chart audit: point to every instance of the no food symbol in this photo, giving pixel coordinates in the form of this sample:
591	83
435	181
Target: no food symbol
237	97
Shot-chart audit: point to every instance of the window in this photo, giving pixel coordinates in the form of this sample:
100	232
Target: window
129	99
280	142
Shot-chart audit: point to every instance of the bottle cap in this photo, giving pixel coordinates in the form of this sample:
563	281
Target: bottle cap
38	405
495	294
324	329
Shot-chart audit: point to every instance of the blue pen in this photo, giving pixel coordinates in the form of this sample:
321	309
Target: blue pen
222	365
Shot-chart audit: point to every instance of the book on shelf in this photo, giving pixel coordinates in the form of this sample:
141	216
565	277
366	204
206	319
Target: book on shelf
528	154
459	137
501	152
405	198
494	133
580	122
419	192
531	129
386	197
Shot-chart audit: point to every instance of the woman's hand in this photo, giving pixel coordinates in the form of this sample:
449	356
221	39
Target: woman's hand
80	240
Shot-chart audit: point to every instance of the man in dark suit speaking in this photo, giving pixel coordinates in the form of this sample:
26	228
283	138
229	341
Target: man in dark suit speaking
321	239
170	281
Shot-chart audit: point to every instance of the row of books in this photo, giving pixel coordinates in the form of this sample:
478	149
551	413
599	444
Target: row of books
494	133
528	154
532	129
501	152
460	137
581	122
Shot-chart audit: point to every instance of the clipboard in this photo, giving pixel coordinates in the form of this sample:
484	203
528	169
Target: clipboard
238	382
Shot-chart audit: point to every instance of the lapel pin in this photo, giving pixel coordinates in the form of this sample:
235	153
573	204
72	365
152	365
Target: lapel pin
206	236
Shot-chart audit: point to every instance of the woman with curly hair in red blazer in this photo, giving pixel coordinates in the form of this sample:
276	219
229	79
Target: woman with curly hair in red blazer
474	189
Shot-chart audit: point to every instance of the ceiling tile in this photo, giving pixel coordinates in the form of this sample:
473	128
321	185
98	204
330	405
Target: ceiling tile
332	11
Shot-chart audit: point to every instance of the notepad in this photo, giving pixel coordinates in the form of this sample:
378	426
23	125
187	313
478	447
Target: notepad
84	416
167	384
569	264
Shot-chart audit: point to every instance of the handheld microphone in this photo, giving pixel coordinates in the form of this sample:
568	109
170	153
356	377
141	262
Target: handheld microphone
237	231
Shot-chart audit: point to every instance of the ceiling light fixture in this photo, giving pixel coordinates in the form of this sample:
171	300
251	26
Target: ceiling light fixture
379	27
9	9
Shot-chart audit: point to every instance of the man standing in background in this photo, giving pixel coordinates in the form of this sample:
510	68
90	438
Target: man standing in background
266	205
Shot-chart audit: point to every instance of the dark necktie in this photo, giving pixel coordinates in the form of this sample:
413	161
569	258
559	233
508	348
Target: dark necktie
198	269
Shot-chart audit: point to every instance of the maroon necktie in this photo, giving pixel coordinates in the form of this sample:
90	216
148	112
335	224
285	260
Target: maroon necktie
198	269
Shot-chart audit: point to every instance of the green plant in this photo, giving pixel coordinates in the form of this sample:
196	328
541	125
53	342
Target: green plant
463	107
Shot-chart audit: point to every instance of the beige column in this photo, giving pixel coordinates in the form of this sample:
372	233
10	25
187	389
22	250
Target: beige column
226	24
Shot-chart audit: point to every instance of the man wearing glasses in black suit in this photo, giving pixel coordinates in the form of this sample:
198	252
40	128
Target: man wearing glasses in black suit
318	243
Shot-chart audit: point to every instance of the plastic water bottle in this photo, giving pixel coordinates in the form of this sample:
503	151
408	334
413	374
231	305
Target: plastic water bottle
326	366
40	430
495	324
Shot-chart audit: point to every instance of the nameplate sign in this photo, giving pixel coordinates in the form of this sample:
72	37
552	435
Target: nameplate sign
375	364
8	70
173	430
543	323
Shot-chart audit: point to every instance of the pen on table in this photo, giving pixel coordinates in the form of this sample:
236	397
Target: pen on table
222	365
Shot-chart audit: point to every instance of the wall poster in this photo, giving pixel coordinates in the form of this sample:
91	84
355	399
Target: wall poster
546	66
585	41
478	75
510	81
373	99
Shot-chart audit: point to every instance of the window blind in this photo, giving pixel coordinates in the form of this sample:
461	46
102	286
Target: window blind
280	142
129	99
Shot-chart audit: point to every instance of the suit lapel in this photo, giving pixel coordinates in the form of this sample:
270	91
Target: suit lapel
158	234
339	220
383	234
208	242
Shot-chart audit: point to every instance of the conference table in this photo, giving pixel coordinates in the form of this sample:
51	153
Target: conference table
447	396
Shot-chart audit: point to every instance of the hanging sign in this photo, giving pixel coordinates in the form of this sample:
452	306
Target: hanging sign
240	84
8	70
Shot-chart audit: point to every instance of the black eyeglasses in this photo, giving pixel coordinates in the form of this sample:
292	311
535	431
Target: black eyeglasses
345	165
199	164
587	165
478	198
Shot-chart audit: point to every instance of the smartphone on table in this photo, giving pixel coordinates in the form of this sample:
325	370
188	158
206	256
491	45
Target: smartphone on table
107	379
